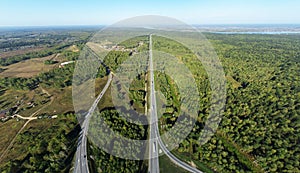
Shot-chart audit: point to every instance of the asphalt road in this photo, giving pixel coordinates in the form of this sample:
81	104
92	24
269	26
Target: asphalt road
153	145
81	165
155	139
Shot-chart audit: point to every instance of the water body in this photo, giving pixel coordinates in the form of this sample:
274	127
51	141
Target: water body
263	29
261	33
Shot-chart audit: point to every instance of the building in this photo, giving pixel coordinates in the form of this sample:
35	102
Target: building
3	115
65	63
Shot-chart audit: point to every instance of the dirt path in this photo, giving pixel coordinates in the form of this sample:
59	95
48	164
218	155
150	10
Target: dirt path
55	56
30	118
45	91
24	118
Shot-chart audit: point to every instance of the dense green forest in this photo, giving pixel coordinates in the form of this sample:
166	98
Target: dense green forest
167	87
137	93
104	162
260	128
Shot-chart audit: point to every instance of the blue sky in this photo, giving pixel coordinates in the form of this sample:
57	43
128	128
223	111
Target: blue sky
98	12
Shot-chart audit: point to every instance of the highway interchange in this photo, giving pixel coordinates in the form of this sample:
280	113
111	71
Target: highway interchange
81	165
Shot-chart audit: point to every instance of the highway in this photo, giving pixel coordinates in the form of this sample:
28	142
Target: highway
175	160
155	139
81	162
153	145
81	165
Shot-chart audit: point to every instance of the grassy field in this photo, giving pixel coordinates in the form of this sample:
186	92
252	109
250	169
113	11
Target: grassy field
234	83
59	102
96	47
166	165
99	85
62	102
201	166
106	101
8	130
38	147
28	101
19	151
20	52
29	68
73	48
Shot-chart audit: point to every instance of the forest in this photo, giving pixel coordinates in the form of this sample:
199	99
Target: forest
260	128
104	162
259	131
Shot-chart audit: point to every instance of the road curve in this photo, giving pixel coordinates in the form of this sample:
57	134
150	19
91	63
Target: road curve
154	124
81	162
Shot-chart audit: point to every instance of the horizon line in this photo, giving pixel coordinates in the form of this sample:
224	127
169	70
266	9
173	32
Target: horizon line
103	25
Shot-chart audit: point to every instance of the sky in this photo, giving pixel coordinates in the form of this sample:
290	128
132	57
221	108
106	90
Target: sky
99	12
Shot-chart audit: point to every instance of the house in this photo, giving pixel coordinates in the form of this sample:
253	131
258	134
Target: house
3	115
65	63
31	104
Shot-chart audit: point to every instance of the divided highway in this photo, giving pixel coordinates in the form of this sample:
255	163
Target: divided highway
81	165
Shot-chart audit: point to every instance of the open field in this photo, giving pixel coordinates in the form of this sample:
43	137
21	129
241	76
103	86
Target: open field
8	130
234	83
166	165
29	68
20	52
19	152
62	102
99	85
106	101
39	147
73	48
27	102
200	165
